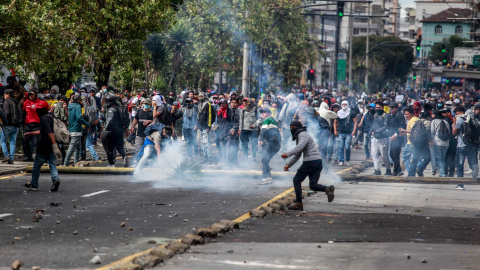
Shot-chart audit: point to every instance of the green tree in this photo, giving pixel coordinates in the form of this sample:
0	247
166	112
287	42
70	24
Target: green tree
388	64
451	42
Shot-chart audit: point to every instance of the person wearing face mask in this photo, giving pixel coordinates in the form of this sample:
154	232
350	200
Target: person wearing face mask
380	139
190	112
347	127
205	118
358	138
397	122
311	166
142	119
32	123
47	149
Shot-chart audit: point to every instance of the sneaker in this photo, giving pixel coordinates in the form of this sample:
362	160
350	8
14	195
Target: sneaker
125	162
347	163
400	174
340	163
329	191
420	174
111	166
29	186
468	172
377	173
27	159
10	161
434	172
388	172
55	186
460	187
296	206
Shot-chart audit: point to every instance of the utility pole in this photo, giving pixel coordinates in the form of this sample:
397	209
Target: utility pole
340	6
350	50
245	70
367	47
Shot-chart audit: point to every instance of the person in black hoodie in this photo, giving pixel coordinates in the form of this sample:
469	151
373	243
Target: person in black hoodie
114	128
397	120
11	125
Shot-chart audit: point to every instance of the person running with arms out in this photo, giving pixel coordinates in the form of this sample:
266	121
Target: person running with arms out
311	166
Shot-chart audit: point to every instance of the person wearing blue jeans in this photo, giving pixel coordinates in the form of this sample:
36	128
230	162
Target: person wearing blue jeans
90	146
9	132
47	149
344	143
347	127
420	159
465	148
407	156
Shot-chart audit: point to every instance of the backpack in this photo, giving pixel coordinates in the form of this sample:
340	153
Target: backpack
124	115
443	132
16	114
166	117
60	131
471	131
91	115
59	112
419	135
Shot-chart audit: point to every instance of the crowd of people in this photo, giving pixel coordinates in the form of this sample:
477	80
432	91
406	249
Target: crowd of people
401	131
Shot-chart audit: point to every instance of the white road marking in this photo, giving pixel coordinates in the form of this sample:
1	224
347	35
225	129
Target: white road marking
95	193
5	215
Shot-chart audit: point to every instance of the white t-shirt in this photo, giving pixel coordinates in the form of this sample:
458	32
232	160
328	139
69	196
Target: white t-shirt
134	109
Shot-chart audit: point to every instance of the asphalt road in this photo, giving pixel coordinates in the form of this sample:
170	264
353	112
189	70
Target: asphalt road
95	206
367	226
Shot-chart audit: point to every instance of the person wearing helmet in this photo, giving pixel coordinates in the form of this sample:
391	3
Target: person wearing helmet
113	136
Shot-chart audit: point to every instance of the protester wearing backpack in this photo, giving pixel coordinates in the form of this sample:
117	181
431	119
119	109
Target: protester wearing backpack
420	137
441	133
13	120
467	142
75	122
114	128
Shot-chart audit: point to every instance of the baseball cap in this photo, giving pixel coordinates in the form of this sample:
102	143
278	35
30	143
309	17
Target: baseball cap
457	101
176	103
9	92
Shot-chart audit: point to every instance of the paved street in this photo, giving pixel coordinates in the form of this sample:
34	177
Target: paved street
368	226
365	220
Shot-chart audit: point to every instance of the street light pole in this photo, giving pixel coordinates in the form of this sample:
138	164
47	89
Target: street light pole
350	50
367	48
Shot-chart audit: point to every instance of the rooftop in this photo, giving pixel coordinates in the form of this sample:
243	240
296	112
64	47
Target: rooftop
448	15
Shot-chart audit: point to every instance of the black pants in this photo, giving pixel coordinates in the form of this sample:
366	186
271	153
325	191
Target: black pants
312	169
84	144
395	149
450	161
111	142
270	150
30	142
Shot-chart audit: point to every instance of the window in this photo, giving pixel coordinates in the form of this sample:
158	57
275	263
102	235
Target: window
459	30
438	29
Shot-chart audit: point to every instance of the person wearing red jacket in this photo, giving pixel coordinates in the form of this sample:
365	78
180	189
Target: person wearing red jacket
32	124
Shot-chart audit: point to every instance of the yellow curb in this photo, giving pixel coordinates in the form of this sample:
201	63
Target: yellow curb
15	175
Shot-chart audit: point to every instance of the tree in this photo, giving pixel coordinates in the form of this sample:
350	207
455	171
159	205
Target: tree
451	42
389	63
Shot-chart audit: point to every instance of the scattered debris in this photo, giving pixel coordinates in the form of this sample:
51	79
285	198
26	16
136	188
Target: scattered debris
17	238
304	222
35	267
418	210
75	233
122	224
17	264
424	260
55	204
153	242
95	260
95	250
258	213
319	246
58	221
192	239
130	229
408	257
185	220
330	242
52	232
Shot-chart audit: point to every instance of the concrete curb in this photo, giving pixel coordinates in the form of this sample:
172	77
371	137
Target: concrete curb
400	179
12	171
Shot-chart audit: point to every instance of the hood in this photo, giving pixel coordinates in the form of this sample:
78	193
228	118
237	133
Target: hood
291	98
325	113
73	105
